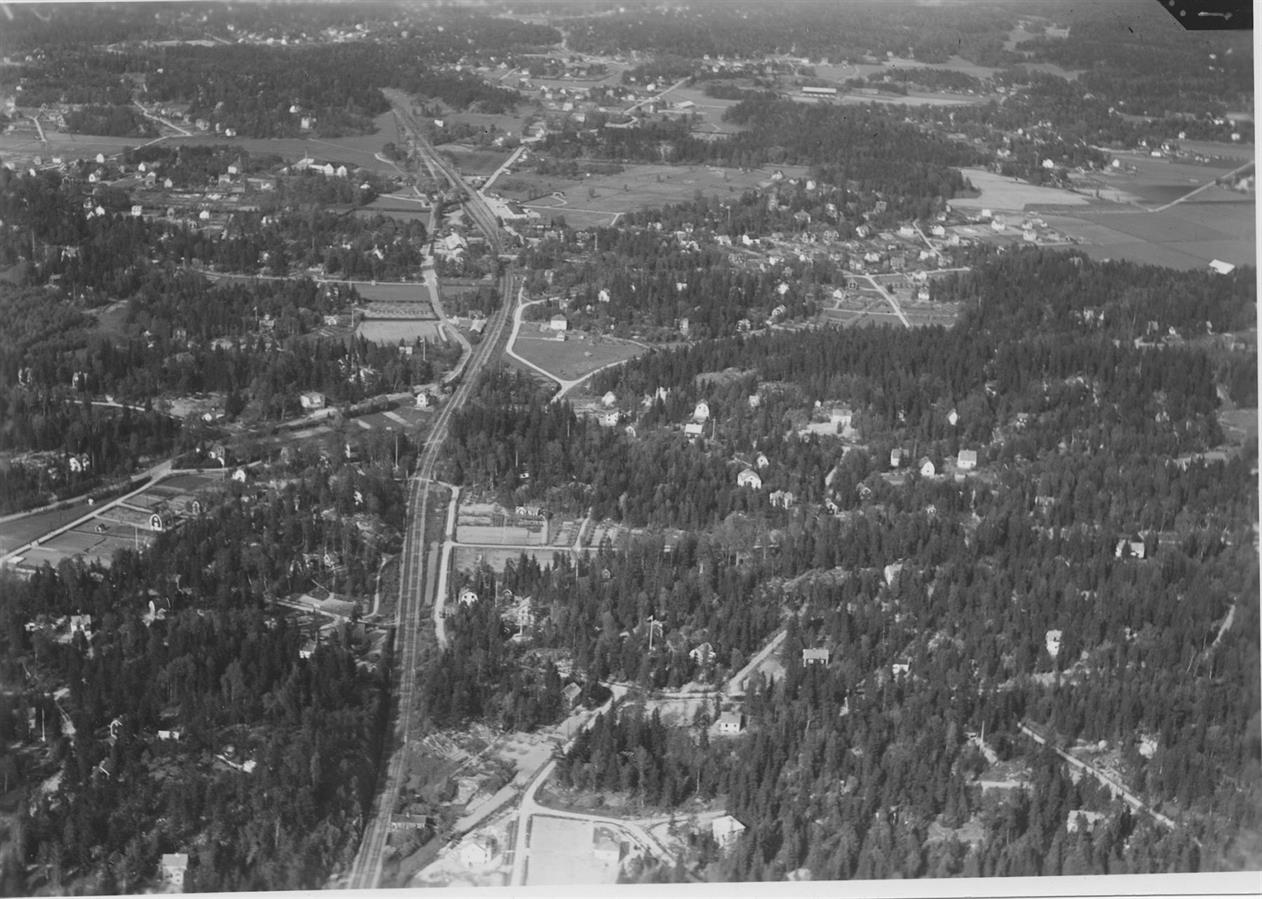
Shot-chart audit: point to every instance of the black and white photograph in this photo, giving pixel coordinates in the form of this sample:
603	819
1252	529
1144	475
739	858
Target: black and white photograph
533	447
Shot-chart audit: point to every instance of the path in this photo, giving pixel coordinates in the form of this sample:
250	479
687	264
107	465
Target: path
565	384
898	310
1111	784
735	685
503	166
1239	170
157	118
680	83
152	476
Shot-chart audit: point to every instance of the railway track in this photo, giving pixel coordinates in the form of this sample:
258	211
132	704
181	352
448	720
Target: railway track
366	870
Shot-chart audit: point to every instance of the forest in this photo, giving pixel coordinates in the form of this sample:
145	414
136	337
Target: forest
1091	517
279	730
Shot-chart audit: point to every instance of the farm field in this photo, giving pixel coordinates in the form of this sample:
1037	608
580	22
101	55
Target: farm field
1189	235
912	98
600	200
22	530
573	358
110	529
356	150
412	292
1002	194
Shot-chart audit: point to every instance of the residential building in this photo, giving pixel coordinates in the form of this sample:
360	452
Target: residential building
730	723
726	830
816	656
966	460
173	867
312	400
749	478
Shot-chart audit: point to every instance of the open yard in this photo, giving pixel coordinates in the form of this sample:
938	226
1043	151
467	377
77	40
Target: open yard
575	357
600	199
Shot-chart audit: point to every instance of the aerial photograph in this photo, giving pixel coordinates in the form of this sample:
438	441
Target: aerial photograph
578	443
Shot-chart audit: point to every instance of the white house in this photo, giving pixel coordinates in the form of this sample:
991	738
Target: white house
694	429
896	457
174	865
477	853
726	830
749	478
609	400
730	723
467	597
312	400
559	323
966	460
927	468
701	412
816	656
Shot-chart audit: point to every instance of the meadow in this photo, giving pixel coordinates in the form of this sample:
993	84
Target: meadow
602	199
573	358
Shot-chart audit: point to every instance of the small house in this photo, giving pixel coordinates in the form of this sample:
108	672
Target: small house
573	695
730	723
701	412
477	853
173	867
749	478
816	656
467	597
559	323
609	400
312	400
726	830
927	468
701	654
694	429
896	457
422	400
966	460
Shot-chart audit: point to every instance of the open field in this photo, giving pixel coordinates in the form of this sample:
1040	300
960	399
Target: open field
562	853
1002	194
404	210
413	293
574	357
356	150
392	330
25	529
466	558
110	529
600	199
1185	236
473	162
912	98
